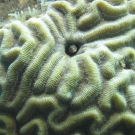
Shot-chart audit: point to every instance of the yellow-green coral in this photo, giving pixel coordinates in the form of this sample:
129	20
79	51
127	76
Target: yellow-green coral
70	70
8	125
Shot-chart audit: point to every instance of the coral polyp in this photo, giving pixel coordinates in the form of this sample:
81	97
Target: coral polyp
69	70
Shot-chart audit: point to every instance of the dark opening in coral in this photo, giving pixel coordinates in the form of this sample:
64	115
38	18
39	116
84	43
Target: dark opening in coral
71	50
127	66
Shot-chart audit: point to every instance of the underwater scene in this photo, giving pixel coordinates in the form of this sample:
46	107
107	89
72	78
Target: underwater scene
67	67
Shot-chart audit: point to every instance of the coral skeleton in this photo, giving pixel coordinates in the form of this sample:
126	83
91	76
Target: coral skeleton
69	70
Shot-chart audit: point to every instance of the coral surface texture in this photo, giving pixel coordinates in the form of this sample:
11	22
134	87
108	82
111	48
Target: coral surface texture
69	70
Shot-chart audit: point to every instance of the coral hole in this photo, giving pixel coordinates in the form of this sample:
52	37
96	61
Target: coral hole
71	49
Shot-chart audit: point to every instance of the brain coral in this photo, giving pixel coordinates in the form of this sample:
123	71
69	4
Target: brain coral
70	70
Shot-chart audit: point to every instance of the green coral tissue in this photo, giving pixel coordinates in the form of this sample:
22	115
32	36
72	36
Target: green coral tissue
69	70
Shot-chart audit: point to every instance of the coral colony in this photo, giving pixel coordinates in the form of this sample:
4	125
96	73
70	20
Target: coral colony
69	70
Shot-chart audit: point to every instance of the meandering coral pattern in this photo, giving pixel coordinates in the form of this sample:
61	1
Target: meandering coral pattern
70	71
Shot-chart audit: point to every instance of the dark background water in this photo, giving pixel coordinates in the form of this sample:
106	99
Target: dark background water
11	6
